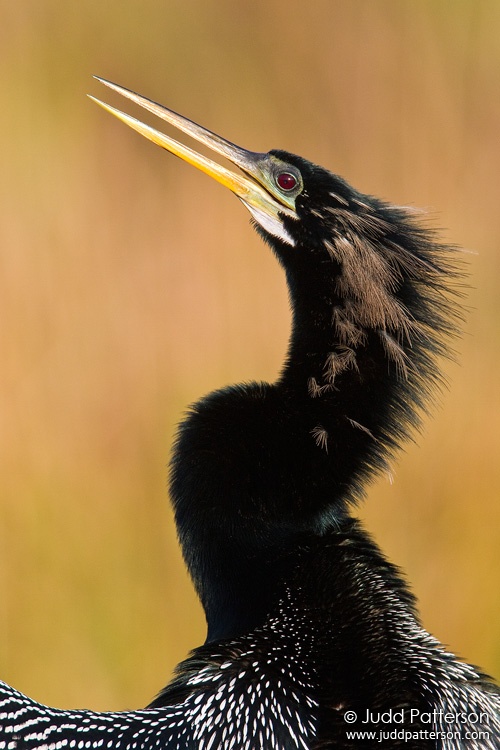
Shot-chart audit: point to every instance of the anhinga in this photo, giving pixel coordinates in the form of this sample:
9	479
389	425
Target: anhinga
309	626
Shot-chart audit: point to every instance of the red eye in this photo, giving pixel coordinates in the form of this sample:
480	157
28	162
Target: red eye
286	181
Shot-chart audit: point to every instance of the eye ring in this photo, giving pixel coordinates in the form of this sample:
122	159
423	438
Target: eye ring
286	181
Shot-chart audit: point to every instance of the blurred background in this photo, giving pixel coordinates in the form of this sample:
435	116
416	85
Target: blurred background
131	284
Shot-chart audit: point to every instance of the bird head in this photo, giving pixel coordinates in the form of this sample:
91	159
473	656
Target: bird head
371	289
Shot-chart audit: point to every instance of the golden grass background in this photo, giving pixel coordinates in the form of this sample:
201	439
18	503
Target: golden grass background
130	285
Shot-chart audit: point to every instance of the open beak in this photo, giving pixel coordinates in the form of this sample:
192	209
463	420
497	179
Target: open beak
253	190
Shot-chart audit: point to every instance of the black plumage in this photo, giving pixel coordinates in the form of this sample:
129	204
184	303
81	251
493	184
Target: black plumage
307	621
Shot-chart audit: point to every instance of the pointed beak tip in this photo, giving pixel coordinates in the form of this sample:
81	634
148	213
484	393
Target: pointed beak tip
99	102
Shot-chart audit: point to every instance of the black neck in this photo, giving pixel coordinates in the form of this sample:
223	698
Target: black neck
259	467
